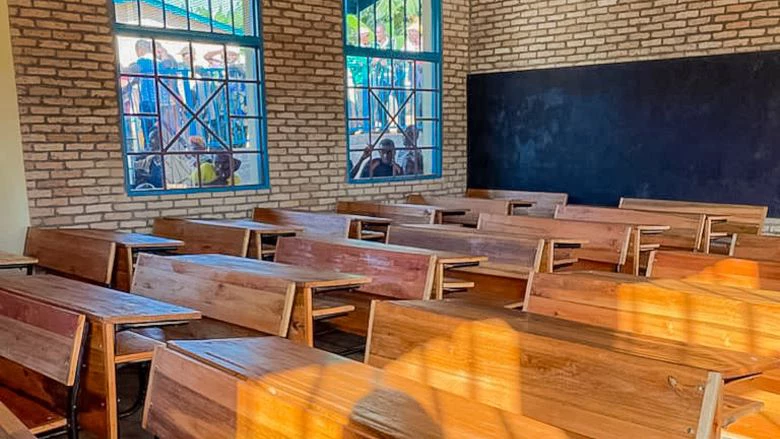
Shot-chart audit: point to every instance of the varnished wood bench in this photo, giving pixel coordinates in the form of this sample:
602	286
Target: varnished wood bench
41	349
686	230
395	272
510	258
739	218
761	248
624	384
79	257
203	238
313	223
544	202
241	303
269	387
715	269
473	206
607	243
399	213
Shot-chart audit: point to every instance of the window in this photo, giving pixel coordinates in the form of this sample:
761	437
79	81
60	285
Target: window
393	100
190	77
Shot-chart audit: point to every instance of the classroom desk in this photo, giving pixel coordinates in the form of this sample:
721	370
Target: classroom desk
262	242
109	313
9	261
308	282
128	245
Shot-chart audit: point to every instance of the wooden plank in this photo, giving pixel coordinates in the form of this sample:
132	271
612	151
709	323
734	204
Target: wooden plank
513	251
607	242
474	206
272	388
762	425
537	366
325	307
545	202
35	417
762	248
10	259
40	337
738	319
302	276
736	407
399	213
742	218
126	239
313	223
12	427
95	302
716	269
395	271
203	238
685	230
132	347
86	258
261	303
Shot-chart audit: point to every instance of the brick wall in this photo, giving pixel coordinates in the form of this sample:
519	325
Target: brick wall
516	35
65	66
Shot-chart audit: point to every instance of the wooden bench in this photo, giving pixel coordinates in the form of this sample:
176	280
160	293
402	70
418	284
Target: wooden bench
544	202
624	384
503	277
715	269
399	213
256	303
686	230
269	387
313	223
80	257
607	243
395	272
740	218
41	349
474	206
204	238
739	319
761	248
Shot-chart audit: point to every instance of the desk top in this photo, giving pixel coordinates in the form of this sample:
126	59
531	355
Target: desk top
254	226
134	240
10	259
302	276
99	303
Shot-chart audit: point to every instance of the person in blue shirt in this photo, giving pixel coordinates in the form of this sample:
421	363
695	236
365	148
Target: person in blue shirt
144	65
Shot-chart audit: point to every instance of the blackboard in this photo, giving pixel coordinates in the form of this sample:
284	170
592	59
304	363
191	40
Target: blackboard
699	129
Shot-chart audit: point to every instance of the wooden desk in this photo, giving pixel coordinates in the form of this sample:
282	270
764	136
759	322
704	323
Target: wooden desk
128	245
10	260
109	312
262	241
304	393
308	282
640	244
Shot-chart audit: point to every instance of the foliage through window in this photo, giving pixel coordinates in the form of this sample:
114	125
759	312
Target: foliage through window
192	99
393	68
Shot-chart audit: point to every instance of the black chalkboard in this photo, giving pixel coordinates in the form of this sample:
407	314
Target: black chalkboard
700	129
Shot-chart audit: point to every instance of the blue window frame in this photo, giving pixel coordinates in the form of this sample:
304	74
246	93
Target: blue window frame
393	81
192	99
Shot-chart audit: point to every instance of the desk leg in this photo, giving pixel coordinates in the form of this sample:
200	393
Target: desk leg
30	270
637	251
123	269
302	322
97	407
548	257
707	235
438	279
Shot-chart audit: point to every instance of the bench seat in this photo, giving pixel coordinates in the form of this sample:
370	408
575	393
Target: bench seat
132	347
36	417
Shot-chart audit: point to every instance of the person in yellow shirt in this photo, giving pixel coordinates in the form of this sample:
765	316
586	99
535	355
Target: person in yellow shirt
221	172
